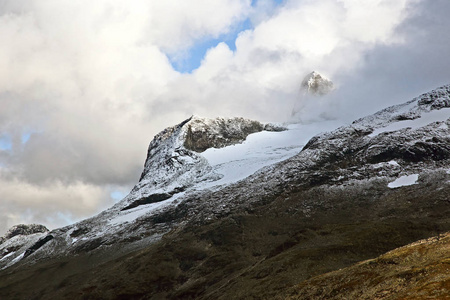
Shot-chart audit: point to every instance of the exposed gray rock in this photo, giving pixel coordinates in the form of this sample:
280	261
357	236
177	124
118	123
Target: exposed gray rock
274	127
202	134
436	99
23	229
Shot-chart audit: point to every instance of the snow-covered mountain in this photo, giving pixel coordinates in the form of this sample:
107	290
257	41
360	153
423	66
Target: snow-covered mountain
313	89
316	84
204	170
197	154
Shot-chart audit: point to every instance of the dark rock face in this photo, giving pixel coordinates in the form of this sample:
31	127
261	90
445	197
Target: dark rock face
89	245
79	231
217	133
23	229
353	147
149	199
38	245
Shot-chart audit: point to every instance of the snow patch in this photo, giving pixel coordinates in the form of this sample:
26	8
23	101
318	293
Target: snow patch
15	260
7	255
425	119
130	215
404	181
259	150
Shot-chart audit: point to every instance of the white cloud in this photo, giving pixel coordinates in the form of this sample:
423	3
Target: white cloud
177	24
373	21
263	10
261	78
53	205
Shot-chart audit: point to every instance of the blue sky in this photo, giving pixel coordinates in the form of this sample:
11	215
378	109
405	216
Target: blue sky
5	142
193	57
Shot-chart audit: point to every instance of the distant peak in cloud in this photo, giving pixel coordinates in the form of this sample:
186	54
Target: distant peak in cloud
316	84
306	109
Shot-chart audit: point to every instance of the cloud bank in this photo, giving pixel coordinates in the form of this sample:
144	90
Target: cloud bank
84	86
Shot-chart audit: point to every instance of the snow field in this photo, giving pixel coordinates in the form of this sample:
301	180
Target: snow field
259	150
425	119
404	181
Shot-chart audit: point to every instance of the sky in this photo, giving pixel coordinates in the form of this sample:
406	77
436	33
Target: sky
85	85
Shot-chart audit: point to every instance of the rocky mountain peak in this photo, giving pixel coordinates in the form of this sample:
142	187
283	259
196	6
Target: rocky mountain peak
435	99
174	162
196	135
23	229
316	84
176	147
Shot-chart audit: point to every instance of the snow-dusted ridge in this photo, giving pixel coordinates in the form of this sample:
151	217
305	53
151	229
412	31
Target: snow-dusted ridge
431	102
222	156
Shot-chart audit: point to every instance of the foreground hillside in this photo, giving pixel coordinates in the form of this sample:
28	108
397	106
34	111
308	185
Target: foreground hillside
418	271
254	223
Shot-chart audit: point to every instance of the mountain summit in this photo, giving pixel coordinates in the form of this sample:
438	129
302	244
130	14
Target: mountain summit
316	84
230	208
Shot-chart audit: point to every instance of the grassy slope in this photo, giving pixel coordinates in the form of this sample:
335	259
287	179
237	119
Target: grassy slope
417	271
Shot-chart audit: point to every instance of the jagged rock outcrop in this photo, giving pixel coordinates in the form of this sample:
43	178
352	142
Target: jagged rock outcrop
202	134
23	229
18	239
316	84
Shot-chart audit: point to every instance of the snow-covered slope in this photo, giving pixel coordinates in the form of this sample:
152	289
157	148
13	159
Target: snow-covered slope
197	169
